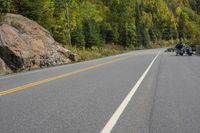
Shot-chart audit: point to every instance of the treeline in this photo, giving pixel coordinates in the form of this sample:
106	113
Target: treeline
129	23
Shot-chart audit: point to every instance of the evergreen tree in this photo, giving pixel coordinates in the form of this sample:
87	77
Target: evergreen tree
78	38
5	6
59	28
138	24
181	26
92	36
30	8
146	40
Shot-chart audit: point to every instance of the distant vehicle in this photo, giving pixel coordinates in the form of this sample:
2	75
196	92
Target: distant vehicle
182	49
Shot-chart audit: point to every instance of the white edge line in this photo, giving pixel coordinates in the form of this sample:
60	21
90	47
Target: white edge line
113	120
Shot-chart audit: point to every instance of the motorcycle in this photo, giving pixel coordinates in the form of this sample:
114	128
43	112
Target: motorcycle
182	49
179	52
188	50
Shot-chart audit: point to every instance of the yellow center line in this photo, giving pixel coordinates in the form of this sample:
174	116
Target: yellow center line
26	86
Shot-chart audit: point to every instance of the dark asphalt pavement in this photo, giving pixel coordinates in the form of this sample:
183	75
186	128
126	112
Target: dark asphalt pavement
167	101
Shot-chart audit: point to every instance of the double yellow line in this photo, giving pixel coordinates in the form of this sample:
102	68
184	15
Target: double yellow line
26	86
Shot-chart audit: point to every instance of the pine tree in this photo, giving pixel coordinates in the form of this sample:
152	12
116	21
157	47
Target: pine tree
30	8
138	25
78	38
181	26
146	36
59	29
5	6
92	36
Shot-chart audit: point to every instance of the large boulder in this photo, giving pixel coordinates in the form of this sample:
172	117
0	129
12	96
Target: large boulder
24	45
4	69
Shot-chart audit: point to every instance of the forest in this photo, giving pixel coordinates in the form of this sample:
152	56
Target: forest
125	23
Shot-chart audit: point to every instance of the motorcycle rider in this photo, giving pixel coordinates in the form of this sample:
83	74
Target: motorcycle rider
179	46
182	48
179	49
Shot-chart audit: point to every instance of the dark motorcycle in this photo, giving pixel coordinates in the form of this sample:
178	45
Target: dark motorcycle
182	49
188	50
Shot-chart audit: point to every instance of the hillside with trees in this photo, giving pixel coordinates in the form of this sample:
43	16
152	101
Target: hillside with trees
88	24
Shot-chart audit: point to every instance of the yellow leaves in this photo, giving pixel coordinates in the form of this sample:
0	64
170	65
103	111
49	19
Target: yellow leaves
74	20
48	10
89	11
146	19
103	10
81	11
193	30
178	11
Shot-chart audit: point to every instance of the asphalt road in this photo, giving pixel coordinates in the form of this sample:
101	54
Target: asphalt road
146	91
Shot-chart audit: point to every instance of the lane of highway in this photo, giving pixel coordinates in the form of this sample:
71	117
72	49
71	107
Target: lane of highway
79	103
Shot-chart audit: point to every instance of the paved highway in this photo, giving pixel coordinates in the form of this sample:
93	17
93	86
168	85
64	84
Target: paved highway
145	91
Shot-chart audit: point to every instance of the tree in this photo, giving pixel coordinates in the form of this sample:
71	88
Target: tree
78	38
138	24
91	32
5	6
58	29
30	8
181	26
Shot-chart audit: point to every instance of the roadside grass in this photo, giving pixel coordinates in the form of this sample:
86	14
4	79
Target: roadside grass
85	54
97	52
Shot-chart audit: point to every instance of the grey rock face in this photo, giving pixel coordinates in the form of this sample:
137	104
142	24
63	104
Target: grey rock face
25	45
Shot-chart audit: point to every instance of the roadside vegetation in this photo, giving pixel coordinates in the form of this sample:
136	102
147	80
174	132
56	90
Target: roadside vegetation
98	28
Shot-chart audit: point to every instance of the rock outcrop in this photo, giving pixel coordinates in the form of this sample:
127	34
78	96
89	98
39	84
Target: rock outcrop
25	45
4	69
